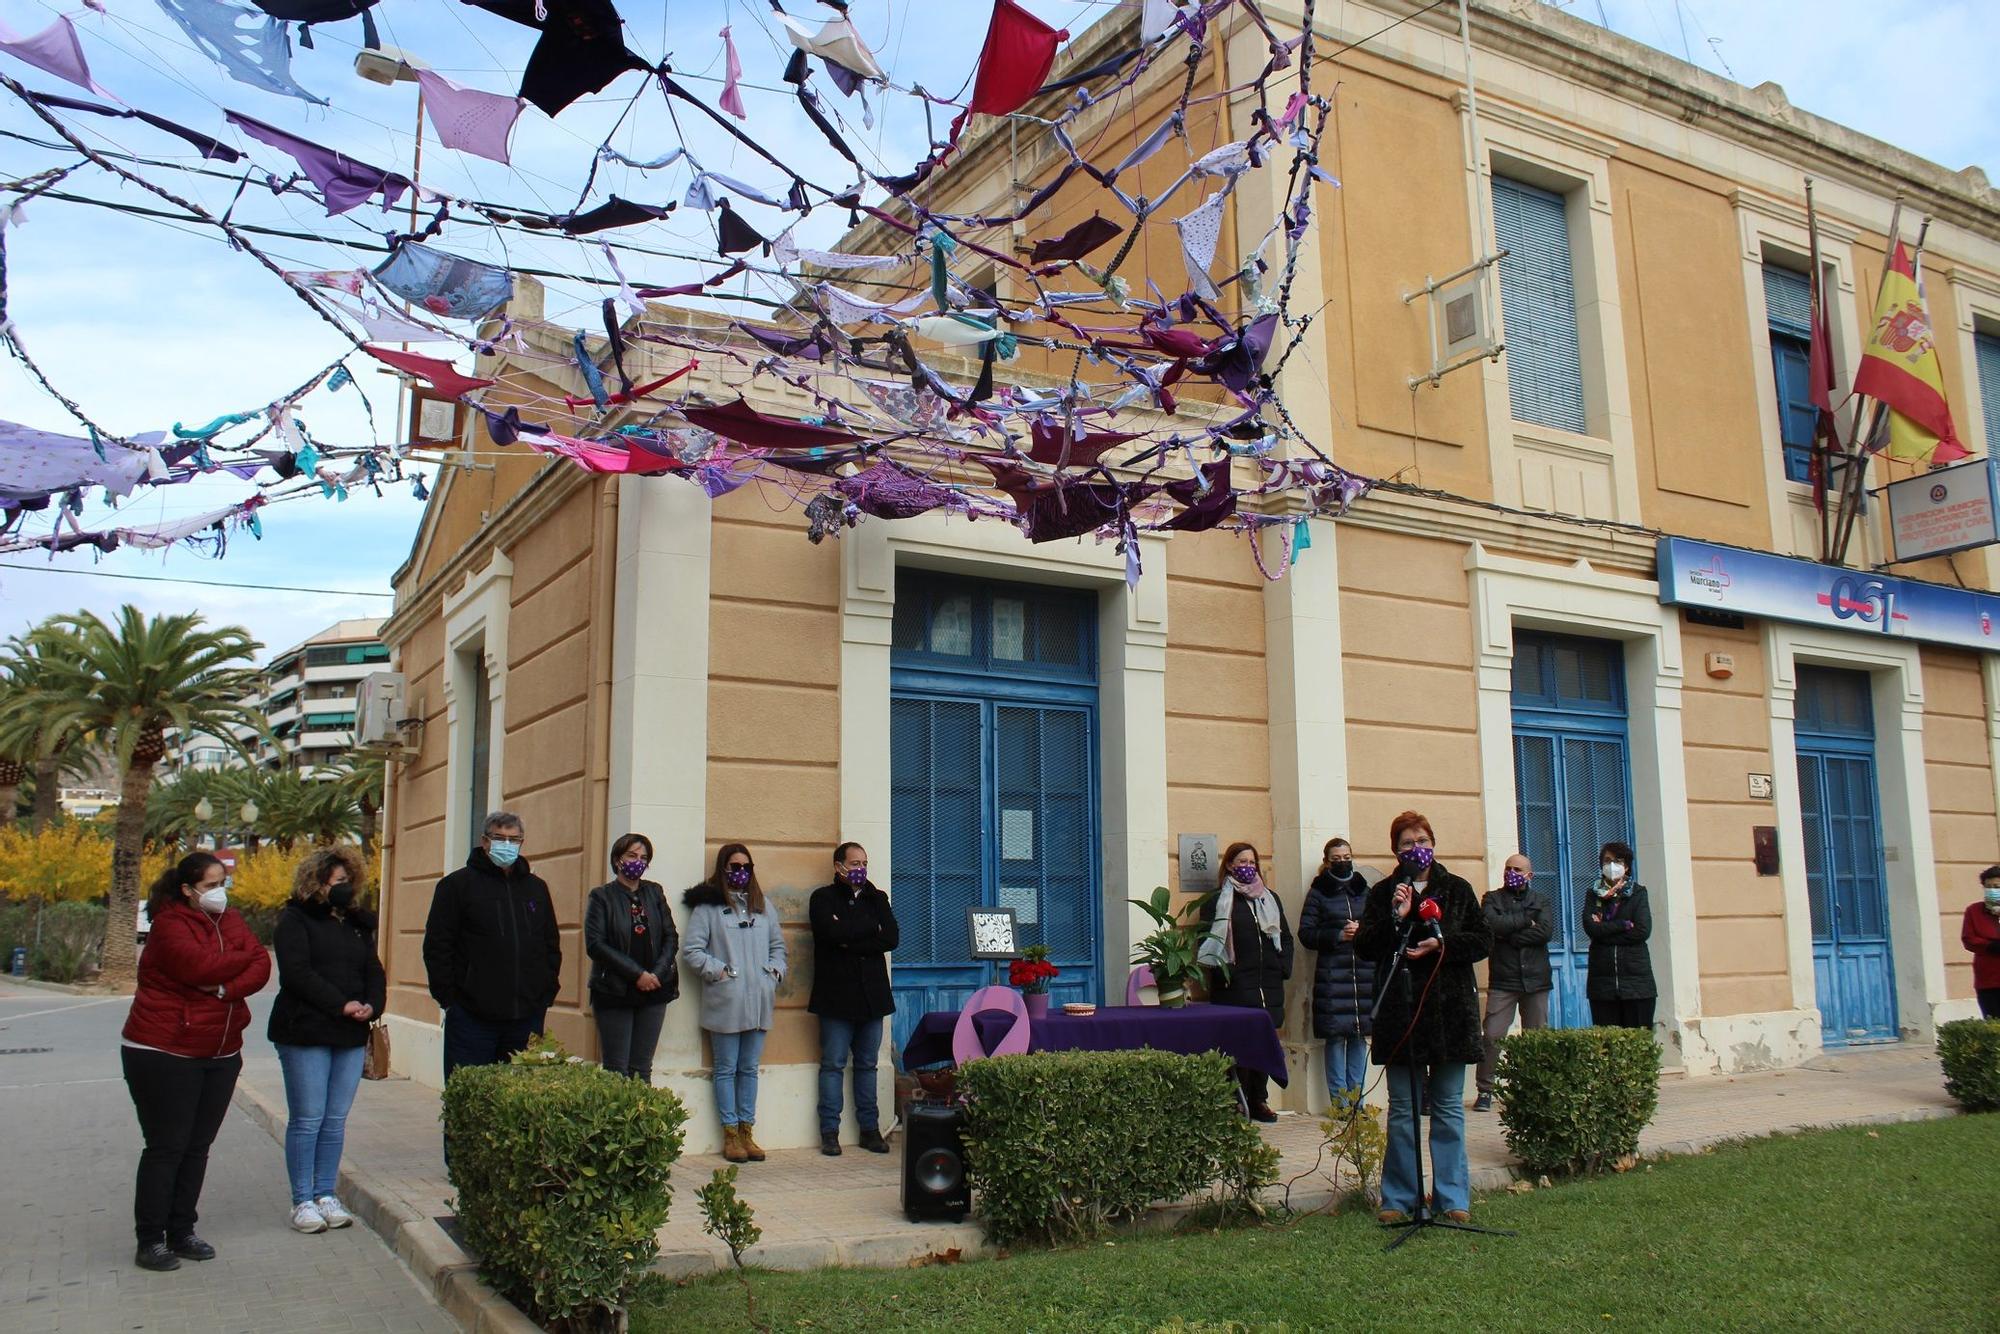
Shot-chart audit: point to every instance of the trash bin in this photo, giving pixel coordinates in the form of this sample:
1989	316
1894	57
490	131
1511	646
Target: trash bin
18	964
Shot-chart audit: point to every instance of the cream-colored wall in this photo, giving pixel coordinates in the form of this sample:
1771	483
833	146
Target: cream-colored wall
1218	744
1740	914
1412	719
1958	762
774	725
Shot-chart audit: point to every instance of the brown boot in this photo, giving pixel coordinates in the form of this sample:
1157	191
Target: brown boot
732	1144
749	1144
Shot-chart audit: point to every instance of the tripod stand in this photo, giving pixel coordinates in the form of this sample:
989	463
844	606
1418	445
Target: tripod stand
1421	1216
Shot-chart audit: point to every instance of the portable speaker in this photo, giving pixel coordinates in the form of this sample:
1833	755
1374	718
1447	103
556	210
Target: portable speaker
936	1185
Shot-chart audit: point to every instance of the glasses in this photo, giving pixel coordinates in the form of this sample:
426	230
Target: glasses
741	866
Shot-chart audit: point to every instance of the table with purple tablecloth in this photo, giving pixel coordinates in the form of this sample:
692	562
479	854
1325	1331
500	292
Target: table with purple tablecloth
1245	1036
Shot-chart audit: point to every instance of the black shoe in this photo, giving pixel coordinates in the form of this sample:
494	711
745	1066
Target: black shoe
829	1143
157	1256
871	1140
1262	1112
1484	1104
192	1247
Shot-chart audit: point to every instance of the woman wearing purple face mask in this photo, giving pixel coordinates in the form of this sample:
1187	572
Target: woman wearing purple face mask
735	942
1249	947
628	932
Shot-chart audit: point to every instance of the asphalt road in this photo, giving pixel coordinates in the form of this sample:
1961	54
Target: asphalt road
67	1157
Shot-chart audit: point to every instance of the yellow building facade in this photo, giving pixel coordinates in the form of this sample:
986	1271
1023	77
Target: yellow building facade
1489	642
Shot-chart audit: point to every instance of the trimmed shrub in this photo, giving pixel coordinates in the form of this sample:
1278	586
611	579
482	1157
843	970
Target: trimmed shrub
1575	1099
72	936
561	1170
1969	1050
1063	1144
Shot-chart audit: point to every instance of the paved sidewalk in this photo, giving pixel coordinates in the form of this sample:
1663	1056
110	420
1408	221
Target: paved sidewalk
819	1211
67	1158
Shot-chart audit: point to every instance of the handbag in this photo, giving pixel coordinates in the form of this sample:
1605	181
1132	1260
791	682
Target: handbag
375	1065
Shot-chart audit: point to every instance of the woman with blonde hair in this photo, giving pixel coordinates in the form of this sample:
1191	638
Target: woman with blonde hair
330	989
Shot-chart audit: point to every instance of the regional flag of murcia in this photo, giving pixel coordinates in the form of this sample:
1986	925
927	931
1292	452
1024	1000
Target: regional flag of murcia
1899	368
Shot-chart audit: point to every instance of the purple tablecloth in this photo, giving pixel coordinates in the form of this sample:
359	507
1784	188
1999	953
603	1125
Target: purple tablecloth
1245	1036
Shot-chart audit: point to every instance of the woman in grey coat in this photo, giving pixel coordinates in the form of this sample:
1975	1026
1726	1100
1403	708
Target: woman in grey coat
734	942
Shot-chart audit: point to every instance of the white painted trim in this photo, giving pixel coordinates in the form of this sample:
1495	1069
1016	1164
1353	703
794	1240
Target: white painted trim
475	622
1576	599
1545	152
659	710
1131	709
1895	669
1989	676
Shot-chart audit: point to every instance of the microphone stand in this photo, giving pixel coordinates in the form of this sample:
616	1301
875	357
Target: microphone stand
1421	1217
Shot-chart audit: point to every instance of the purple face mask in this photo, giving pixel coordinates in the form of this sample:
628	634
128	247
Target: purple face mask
1418	857
857	876
632	867
1513	878
737	876
1245	874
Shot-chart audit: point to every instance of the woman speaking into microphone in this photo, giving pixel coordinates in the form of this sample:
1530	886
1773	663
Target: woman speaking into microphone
1428	1023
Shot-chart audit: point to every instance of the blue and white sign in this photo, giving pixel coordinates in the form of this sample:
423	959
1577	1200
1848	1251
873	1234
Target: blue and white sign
1755	583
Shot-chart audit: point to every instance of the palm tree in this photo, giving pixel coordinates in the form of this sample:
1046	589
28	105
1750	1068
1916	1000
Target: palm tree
122	685
31	743
360	778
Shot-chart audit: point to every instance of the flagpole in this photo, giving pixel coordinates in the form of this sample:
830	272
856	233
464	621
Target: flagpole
1821	328
1851	482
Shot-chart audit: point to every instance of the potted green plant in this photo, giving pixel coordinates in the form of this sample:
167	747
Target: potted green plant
1169	951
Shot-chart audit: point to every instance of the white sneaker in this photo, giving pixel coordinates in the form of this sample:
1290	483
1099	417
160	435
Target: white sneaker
307	1218
333	1212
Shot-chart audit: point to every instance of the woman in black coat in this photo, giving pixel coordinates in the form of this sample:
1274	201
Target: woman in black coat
330	989
1429	1018
1619	921
628	932
1343	981
1255	943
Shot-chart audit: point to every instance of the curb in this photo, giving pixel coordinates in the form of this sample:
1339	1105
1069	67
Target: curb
63	988
423	1246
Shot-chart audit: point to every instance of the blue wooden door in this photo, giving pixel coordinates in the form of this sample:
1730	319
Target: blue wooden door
1572	780
1846	882
993	780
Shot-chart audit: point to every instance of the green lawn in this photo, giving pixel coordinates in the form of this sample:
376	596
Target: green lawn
1897	1228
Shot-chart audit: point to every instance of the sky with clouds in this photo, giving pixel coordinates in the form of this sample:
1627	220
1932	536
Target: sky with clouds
149	323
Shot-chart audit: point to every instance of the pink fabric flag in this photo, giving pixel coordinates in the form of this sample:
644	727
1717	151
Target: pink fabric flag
54	49
732	98
467	119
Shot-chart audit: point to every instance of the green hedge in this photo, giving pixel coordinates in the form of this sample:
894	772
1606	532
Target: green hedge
1063	1144
1575	1099
561	1170
1969	1050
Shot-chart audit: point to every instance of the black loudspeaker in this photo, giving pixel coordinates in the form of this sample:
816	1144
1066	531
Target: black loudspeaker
937	1188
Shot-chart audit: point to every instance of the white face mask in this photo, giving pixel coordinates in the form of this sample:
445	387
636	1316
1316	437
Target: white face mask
1614	871
215	899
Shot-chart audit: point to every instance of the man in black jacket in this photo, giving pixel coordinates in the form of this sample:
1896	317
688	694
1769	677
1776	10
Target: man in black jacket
1517	971
492	950
854	929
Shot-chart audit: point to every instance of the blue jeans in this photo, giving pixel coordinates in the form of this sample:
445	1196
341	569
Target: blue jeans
839	1038
470	1040
1346	1065
1444	1101
736	1056
319	1088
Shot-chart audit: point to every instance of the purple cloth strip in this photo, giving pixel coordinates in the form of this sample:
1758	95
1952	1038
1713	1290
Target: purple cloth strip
343	181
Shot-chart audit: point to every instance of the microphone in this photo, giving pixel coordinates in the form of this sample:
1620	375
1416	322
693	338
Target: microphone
1431	913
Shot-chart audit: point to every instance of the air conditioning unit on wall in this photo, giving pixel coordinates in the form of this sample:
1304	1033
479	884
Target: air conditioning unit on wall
379	715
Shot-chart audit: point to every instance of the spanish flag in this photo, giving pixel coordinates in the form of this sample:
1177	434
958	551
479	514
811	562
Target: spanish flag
1899	369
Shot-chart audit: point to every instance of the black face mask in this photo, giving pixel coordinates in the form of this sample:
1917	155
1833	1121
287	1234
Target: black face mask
1341	870
341	896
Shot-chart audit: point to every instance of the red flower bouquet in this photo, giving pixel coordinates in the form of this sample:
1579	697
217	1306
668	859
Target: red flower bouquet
1031	975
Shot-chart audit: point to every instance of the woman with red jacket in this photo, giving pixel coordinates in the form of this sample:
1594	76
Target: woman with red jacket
184	1047
1980	934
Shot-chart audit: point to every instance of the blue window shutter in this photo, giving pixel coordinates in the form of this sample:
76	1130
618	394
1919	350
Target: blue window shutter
1538	299
1796	416
1788	300
1987	349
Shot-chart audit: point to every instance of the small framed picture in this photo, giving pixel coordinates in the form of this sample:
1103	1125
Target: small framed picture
992	933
